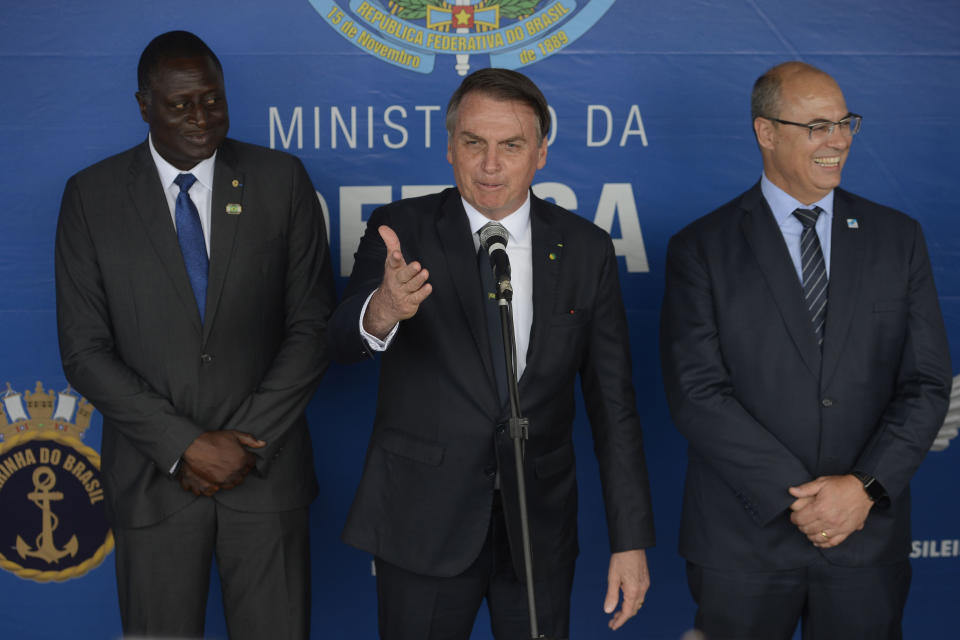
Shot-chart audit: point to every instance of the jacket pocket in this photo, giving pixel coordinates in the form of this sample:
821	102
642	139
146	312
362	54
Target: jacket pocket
406	446
560	459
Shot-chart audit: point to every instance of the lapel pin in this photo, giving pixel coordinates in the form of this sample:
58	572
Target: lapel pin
552	256
852	223
235	183
234	209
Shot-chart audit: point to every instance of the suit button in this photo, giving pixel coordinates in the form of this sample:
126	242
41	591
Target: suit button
206	358
501	428
827	402
490	471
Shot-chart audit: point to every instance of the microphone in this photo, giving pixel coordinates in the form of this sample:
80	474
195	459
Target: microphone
493	238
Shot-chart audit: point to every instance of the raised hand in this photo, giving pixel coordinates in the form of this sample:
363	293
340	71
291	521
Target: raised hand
403	288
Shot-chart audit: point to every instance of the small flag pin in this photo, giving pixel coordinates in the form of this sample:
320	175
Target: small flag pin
852	223
234	209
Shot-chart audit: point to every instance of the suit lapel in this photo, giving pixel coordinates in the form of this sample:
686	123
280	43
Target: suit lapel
227	196
456	242
846	268
546	242
150	201
765	239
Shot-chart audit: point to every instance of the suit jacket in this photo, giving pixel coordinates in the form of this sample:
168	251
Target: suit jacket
764	410
424	500
132	342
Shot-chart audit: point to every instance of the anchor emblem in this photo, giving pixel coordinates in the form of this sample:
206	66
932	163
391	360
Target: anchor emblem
43	481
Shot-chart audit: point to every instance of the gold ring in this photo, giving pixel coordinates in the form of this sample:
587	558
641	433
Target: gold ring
824	534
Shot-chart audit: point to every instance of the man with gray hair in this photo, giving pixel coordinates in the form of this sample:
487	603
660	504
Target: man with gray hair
437	503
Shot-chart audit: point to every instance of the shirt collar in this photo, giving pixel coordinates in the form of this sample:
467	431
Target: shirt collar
516	223
782	204
202	171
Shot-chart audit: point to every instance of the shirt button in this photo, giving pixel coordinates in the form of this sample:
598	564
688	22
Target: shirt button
827	402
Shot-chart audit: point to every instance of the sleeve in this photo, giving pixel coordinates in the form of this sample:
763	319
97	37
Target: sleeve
606	380
911	420
349	343
703	403
90	361
282	395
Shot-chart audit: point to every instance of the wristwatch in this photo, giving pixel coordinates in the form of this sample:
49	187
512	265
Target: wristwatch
873	488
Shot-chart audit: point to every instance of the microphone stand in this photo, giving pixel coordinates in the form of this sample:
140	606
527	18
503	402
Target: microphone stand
519	432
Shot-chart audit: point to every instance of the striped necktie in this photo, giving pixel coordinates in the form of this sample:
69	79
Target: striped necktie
814	270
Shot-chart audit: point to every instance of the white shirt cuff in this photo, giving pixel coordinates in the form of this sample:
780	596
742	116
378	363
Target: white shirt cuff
375	343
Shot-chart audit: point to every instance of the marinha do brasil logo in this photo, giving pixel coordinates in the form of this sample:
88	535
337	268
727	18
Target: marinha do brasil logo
53	525
412	33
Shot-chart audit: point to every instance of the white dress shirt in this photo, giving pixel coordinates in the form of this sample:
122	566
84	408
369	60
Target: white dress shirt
201	192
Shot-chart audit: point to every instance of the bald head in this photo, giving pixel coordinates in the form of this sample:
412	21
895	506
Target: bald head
786	100
766	99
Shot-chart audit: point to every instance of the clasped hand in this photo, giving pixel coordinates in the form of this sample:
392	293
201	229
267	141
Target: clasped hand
217	460
830	508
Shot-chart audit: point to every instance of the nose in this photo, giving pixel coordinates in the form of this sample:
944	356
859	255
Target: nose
491	159
199	114
840	138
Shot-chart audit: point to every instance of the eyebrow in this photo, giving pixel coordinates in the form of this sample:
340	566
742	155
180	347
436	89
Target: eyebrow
469	134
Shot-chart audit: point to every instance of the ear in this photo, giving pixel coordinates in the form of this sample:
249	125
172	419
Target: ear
766	133
542	155
142	102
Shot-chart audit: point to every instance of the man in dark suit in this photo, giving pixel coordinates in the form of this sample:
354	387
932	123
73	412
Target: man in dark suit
201	366
437	501
805	361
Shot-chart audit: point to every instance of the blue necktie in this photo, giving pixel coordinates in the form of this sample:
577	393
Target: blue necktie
192	245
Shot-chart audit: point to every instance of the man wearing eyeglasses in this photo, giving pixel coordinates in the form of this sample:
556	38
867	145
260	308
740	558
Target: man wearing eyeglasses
806	362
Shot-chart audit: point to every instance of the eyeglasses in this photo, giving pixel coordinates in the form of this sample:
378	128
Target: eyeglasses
820	130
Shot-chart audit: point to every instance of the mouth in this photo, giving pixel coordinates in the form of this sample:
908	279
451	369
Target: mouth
830	162
488	186
199	138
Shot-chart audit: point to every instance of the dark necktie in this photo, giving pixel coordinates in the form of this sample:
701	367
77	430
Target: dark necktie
192	245
814	270
495	335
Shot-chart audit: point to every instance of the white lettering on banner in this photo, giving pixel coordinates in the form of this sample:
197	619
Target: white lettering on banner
618	198
426	108
935	549
554	125
336	118
616	201
296	123
393	117
352	221
632	127
638	131
401	132
560	193
397	127
591	110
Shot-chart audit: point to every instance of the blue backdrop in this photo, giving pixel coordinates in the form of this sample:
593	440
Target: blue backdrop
652	130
